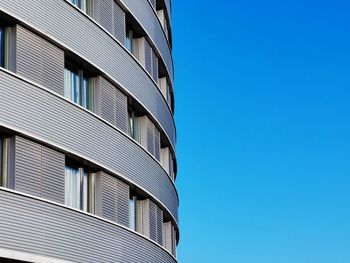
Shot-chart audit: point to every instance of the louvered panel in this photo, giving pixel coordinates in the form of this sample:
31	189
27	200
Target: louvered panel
173	231
38	227
105	13
98	194
148	57
167	236
108	197
27	166
154	66
53	67
28	55
152	221
121	111
53	163
159	226
119	23
150	136
157	143
171	166
123	203
107	104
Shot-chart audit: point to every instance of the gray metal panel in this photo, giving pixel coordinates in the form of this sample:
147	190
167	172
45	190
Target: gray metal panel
39	60
109	197
107	103
34	226
145	14
115	199
54	17
27	166
28	59
52	181
150	136
53	67
156	143
148	57
119	23
65	125
121	110
159	214
105	14
123	211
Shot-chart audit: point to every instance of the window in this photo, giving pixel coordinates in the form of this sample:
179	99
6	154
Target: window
84	5
76	188
4	160
5	46
133	209
134	128
79	88
129	40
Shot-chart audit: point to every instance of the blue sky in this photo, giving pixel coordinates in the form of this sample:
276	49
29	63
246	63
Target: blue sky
262	112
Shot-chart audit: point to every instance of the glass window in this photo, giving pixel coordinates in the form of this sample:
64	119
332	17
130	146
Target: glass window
128	40
134	128
82	4
78	88
76	188
132	206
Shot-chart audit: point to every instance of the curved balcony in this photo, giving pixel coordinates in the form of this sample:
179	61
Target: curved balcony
36	226
79	34
37	112
144	13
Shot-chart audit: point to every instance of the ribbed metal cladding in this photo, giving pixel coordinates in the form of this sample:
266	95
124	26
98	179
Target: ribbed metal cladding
145	14
76	130
34	226
39	60
55	17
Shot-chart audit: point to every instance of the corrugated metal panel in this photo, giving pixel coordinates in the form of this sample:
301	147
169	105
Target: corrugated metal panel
39	60
27	166
115	199
121	110
53	67
105	14
123	210
108	105
112	104
154	66
109	197
77	131
34	226
54	17
119	23
150	136
28	50
159	226
173	233
53	163
156	143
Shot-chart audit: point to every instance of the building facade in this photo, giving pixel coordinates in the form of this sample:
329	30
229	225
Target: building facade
87	134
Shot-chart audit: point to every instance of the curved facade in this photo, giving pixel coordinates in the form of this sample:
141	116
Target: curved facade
87	134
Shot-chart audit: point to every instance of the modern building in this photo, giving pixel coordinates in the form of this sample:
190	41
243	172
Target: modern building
87	134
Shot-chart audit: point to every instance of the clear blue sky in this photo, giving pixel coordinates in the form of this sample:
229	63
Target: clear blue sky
263	122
